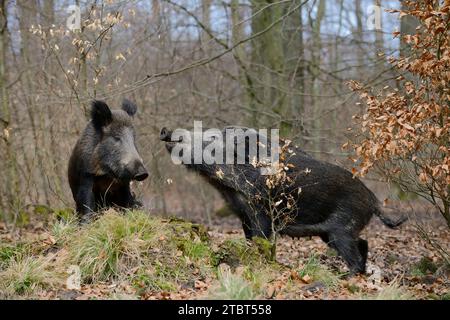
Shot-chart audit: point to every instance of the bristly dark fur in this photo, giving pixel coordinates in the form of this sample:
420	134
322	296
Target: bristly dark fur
332	203
105	160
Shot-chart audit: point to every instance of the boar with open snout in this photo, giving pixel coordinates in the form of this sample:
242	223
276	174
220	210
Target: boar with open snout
105	160
323	199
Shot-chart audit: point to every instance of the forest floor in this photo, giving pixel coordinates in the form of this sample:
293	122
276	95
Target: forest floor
138	256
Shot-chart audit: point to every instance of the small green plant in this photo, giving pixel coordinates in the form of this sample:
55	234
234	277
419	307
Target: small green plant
9	252
65	214
148	281
232	287
196	250
331	252
424	267
264	247
260	276
445	296
434	296
236	252
318	272
23	218
391	258
353	288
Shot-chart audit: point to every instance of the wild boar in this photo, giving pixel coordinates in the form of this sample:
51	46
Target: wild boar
323	199
105	160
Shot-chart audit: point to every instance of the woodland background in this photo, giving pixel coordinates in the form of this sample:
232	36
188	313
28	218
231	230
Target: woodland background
303	66
271	64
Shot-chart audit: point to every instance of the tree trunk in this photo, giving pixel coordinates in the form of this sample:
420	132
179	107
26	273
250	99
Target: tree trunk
379	41
315	71
28	16
9	159
268	60
336	65
48	20
206	20
295	67
446	212
237	34
156	14
359	34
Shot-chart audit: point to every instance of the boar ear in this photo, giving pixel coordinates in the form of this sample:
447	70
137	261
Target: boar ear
129	107
101	114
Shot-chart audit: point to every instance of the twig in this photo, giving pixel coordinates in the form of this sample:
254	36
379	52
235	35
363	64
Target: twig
439	249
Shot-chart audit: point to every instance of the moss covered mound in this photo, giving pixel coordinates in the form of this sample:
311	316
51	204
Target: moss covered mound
132	249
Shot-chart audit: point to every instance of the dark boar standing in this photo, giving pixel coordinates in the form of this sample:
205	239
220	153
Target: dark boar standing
329	201
105	160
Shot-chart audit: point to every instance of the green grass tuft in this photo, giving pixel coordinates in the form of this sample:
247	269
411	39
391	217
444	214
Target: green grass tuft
232	287
197	250
25	275
319	272
151	253
392	292
235	252
423	267
63	230
9	252
112	242
145	281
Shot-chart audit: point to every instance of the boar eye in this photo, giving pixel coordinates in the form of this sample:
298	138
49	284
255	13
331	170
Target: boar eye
117	139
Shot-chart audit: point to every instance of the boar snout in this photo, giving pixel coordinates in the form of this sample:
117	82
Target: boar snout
140	173
135	170
165	135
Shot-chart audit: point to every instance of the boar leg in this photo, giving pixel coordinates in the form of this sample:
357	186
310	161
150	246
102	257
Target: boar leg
246	225
349	249
124	198
239	205
240	209
85	199
325	238
363	249
261	225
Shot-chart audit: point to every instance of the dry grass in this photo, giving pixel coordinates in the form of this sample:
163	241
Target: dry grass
27	275
391	292
232	286
133	255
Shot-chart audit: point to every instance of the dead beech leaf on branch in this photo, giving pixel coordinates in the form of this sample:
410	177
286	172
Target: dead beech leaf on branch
405	131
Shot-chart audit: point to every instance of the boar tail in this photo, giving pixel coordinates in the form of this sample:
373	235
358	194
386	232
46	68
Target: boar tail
388	221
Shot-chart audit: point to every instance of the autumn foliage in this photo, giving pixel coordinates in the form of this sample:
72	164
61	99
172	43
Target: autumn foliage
406	130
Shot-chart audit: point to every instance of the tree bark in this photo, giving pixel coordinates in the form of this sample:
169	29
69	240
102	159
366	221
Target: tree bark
239	54
379	41
268	59
295	67
48	20
315	71
28	11
206	20
9	158
359	33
